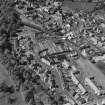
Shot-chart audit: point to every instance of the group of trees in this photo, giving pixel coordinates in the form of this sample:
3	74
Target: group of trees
9	23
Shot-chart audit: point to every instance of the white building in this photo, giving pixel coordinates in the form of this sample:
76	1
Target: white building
83	90
45	61
75	80
65	64
74	68
92	86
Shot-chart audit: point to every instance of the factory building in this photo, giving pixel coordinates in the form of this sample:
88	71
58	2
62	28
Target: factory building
41	47
75	80
82	89
50	45
92	86
43	52
72	102
15	43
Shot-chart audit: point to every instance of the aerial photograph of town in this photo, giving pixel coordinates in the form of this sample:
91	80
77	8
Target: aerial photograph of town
52	52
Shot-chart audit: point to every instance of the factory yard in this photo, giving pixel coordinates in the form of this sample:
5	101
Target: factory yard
52	52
